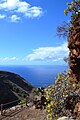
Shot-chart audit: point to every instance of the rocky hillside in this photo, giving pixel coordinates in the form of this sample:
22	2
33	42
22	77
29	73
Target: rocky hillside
13	87
74	47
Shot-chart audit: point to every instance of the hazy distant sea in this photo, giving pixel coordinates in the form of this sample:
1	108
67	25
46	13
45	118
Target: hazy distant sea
37	75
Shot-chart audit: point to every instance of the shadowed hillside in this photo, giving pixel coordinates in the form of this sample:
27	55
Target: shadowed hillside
13	87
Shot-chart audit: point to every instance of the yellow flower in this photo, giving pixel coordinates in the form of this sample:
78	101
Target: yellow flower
47	98
48	111
73	2
65	12
43	107
52	103
45	103
50	118
49	105
71	6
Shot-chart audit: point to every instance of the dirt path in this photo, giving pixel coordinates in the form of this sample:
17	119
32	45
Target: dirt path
28	114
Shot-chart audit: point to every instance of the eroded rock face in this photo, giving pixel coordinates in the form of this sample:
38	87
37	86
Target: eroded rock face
74	47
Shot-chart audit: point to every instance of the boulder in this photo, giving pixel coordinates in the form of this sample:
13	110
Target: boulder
64	118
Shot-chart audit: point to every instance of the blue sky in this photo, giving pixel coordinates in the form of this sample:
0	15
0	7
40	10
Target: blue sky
28	32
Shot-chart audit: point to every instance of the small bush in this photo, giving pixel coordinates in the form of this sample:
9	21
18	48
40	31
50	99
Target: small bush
22	102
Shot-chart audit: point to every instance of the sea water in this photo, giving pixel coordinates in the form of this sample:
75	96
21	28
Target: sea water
37	75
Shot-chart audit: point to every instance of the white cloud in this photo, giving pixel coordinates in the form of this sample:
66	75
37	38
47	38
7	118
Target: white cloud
8	59
15	18
2	16
8	4
23	7
20	8
49	53
33	12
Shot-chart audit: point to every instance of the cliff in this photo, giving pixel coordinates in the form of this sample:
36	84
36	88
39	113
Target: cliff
13	87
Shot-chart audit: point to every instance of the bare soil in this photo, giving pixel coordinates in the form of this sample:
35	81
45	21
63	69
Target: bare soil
28	114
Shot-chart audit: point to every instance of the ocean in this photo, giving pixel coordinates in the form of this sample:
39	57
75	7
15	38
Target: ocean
38	76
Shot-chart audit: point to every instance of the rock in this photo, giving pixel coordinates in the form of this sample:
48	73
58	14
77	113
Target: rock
64	118
74	47
77	110
12	108
30	104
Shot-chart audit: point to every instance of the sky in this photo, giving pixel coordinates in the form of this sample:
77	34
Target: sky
28	32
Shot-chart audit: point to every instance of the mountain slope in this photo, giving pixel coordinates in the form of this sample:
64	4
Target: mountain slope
13	87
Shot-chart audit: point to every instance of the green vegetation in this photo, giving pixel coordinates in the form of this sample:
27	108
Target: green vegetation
23	101
73	7
13	87
63	90
56	97
57	94
65	29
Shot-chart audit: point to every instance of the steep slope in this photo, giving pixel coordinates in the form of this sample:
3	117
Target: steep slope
74	47
13	87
